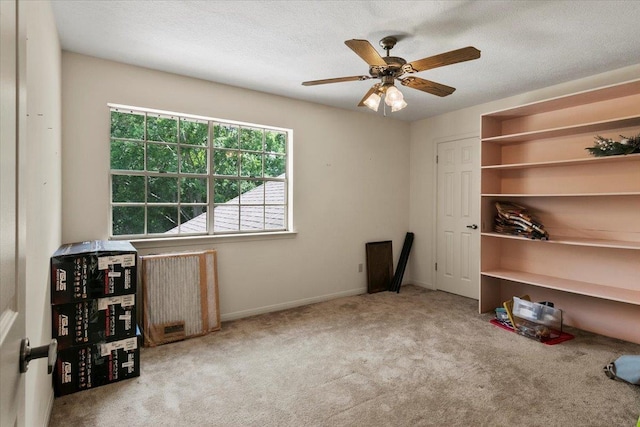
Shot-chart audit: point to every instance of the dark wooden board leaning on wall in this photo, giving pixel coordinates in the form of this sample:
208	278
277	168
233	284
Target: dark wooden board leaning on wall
396	282
379	266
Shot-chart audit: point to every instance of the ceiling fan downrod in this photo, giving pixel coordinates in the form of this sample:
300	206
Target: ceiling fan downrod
387	43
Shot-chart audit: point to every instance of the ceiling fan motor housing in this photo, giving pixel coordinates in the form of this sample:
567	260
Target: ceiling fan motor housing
393	67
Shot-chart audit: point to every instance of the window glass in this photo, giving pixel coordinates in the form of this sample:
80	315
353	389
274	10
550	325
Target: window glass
127	125
193	160
251	164
194	132
161	219
127	155
275	142
274	165
162	129
127	188
225	162
162	157
162	190
225	136
128	220
251	139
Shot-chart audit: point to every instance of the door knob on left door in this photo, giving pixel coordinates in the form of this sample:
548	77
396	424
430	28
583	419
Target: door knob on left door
27	354
472	226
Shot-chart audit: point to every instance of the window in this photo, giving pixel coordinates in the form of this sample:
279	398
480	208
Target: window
175	174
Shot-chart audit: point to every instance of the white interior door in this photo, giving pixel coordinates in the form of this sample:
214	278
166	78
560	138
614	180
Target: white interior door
458	235
12	319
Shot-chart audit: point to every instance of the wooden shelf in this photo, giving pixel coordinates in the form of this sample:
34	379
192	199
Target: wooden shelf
583	288
566	130
573	241
571	162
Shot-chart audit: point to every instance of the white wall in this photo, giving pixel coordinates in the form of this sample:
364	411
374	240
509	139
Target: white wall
466	122
351	181
43	218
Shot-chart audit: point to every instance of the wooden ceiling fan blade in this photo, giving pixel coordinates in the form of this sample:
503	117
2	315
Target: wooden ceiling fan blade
373	89
366	51
335	80
459	55
428	86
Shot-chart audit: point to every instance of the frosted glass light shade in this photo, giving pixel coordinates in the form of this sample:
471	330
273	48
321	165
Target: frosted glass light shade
392	96
397	106
373	101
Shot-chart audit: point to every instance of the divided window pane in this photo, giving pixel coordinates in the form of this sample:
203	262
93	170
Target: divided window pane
276	142
225	162
127	125
162	157
251	139
251	164
127	188
162	129
127	155
161	219
127	220
193	160
225	136
194	132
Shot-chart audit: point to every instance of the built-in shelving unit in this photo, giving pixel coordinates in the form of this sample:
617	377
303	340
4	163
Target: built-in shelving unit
535	155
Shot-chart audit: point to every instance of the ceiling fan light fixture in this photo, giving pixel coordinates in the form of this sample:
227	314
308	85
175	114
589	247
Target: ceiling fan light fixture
393	96
397	106
373	101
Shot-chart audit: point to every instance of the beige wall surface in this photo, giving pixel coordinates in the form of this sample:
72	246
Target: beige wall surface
43	198
425	134
350	181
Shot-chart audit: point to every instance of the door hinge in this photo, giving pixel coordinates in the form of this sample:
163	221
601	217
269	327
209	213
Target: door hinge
436	266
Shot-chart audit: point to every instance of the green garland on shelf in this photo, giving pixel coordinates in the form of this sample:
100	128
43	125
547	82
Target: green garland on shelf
609	147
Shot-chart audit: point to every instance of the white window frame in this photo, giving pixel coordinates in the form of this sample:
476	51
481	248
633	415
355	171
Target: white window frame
210	176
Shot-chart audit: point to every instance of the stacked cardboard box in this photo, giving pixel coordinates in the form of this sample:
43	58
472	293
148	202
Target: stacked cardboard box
93	291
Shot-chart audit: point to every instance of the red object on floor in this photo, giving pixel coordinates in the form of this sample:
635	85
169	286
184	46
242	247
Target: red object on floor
562	338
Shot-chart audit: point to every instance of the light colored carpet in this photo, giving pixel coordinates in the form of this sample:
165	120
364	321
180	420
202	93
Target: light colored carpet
416	358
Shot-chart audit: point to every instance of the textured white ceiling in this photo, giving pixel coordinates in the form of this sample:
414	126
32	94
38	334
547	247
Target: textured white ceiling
273	46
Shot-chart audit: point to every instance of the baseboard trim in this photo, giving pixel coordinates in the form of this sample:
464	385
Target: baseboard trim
421	284
290	304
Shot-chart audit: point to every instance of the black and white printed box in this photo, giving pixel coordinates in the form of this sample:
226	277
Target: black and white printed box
101	319
93	269
83	367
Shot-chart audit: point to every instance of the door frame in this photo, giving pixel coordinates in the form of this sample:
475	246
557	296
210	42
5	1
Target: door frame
434	199
18	320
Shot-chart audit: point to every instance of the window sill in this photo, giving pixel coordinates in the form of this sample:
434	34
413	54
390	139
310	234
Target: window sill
166	242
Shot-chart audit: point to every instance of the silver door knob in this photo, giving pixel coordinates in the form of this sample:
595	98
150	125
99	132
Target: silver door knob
472	226
27	354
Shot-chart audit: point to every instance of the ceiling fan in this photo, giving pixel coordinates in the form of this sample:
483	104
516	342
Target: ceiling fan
390	68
